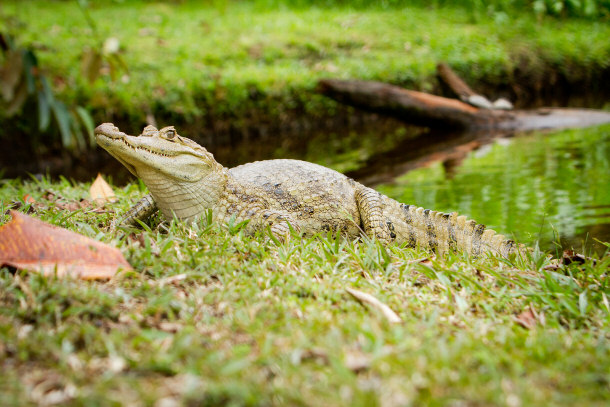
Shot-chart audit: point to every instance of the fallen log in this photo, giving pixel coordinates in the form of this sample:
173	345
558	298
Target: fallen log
408	105
438	112
463	91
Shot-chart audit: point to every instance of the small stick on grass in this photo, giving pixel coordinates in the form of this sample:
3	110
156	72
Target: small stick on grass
365	298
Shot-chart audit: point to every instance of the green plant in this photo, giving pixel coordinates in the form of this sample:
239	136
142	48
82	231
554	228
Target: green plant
575	8
21	78
105	52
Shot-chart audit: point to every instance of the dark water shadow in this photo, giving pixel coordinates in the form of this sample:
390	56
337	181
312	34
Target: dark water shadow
435	145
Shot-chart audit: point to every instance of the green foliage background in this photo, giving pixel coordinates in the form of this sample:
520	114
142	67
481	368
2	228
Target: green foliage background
238	64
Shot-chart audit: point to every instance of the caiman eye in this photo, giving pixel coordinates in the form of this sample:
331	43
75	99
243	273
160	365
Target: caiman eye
169	132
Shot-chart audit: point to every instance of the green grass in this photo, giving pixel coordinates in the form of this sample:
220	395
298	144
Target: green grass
212	317
191	60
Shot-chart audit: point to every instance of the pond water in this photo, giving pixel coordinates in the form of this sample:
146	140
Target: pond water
550	188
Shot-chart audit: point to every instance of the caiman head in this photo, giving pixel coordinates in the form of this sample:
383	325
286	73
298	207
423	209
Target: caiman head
183	177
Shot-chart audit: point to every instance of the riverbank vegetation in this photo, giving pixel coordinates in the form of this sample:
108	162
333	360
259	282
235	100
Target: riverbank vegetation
213	317
228	66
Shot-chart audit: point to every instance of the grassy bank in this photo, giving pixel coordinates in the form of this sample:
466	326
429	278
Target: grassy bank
250	62
212	317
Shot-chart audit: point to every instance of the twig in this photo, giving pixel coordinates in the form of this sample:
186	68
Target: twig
365	298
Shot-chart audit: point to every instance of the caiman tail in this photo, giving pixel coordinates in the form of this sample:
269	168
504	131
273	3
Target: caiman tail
444	232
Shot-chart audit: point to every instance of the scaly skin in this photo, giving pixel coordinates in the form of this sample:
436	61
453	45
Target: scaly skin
185	181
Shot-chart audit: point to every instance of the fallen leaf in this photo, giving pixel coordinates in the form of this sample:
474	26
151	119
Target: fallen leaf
101	192
50	195
570	256
529	318
70	205
171	327
317	355
28	199
376	304
30	244
357	362
423	260
73	205
526	319
46	388
554	265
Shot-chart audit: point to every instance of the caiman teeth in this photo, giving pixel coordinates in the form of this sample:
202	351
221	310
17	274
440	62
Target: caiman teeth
135	148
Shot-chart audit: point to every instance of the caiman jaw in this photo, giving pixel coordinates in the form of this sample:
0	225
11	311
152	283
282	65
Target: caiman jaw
181	175
110	131
159	153
106	134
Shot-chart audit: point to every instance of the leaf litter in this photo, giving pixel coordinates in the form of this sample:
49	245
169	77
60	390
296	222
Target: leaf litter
28	243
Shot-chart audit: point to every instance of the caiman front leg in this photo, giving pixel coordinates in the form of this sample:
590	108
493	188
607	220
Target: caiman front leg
259	218
278	222
141	211
375	225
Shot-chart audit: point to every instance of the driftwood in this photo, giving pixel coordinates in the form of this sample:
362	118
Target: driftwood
438	112
463	91
454	82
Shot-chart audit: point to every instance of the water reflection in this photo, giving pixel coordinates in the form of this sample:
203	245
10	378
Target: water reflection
534	187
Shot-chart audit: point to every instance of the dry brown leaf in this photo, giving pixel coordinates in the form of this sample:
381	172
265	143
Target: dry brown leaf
31	244
101	192
529	318
73	205
570	256
50	196
171	327
554	265
526	319
365	298
426	261
47	388
357	361
28	199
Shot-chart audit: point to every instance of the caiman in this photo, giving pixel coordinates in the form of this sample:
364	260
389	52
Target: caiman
185	181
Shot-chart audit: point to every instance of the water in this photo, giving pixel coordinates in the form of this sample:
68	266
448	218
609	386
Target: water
552	188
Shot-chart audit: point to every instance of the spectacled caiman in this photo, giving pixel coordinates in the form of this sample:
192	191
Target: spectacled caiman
185	181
